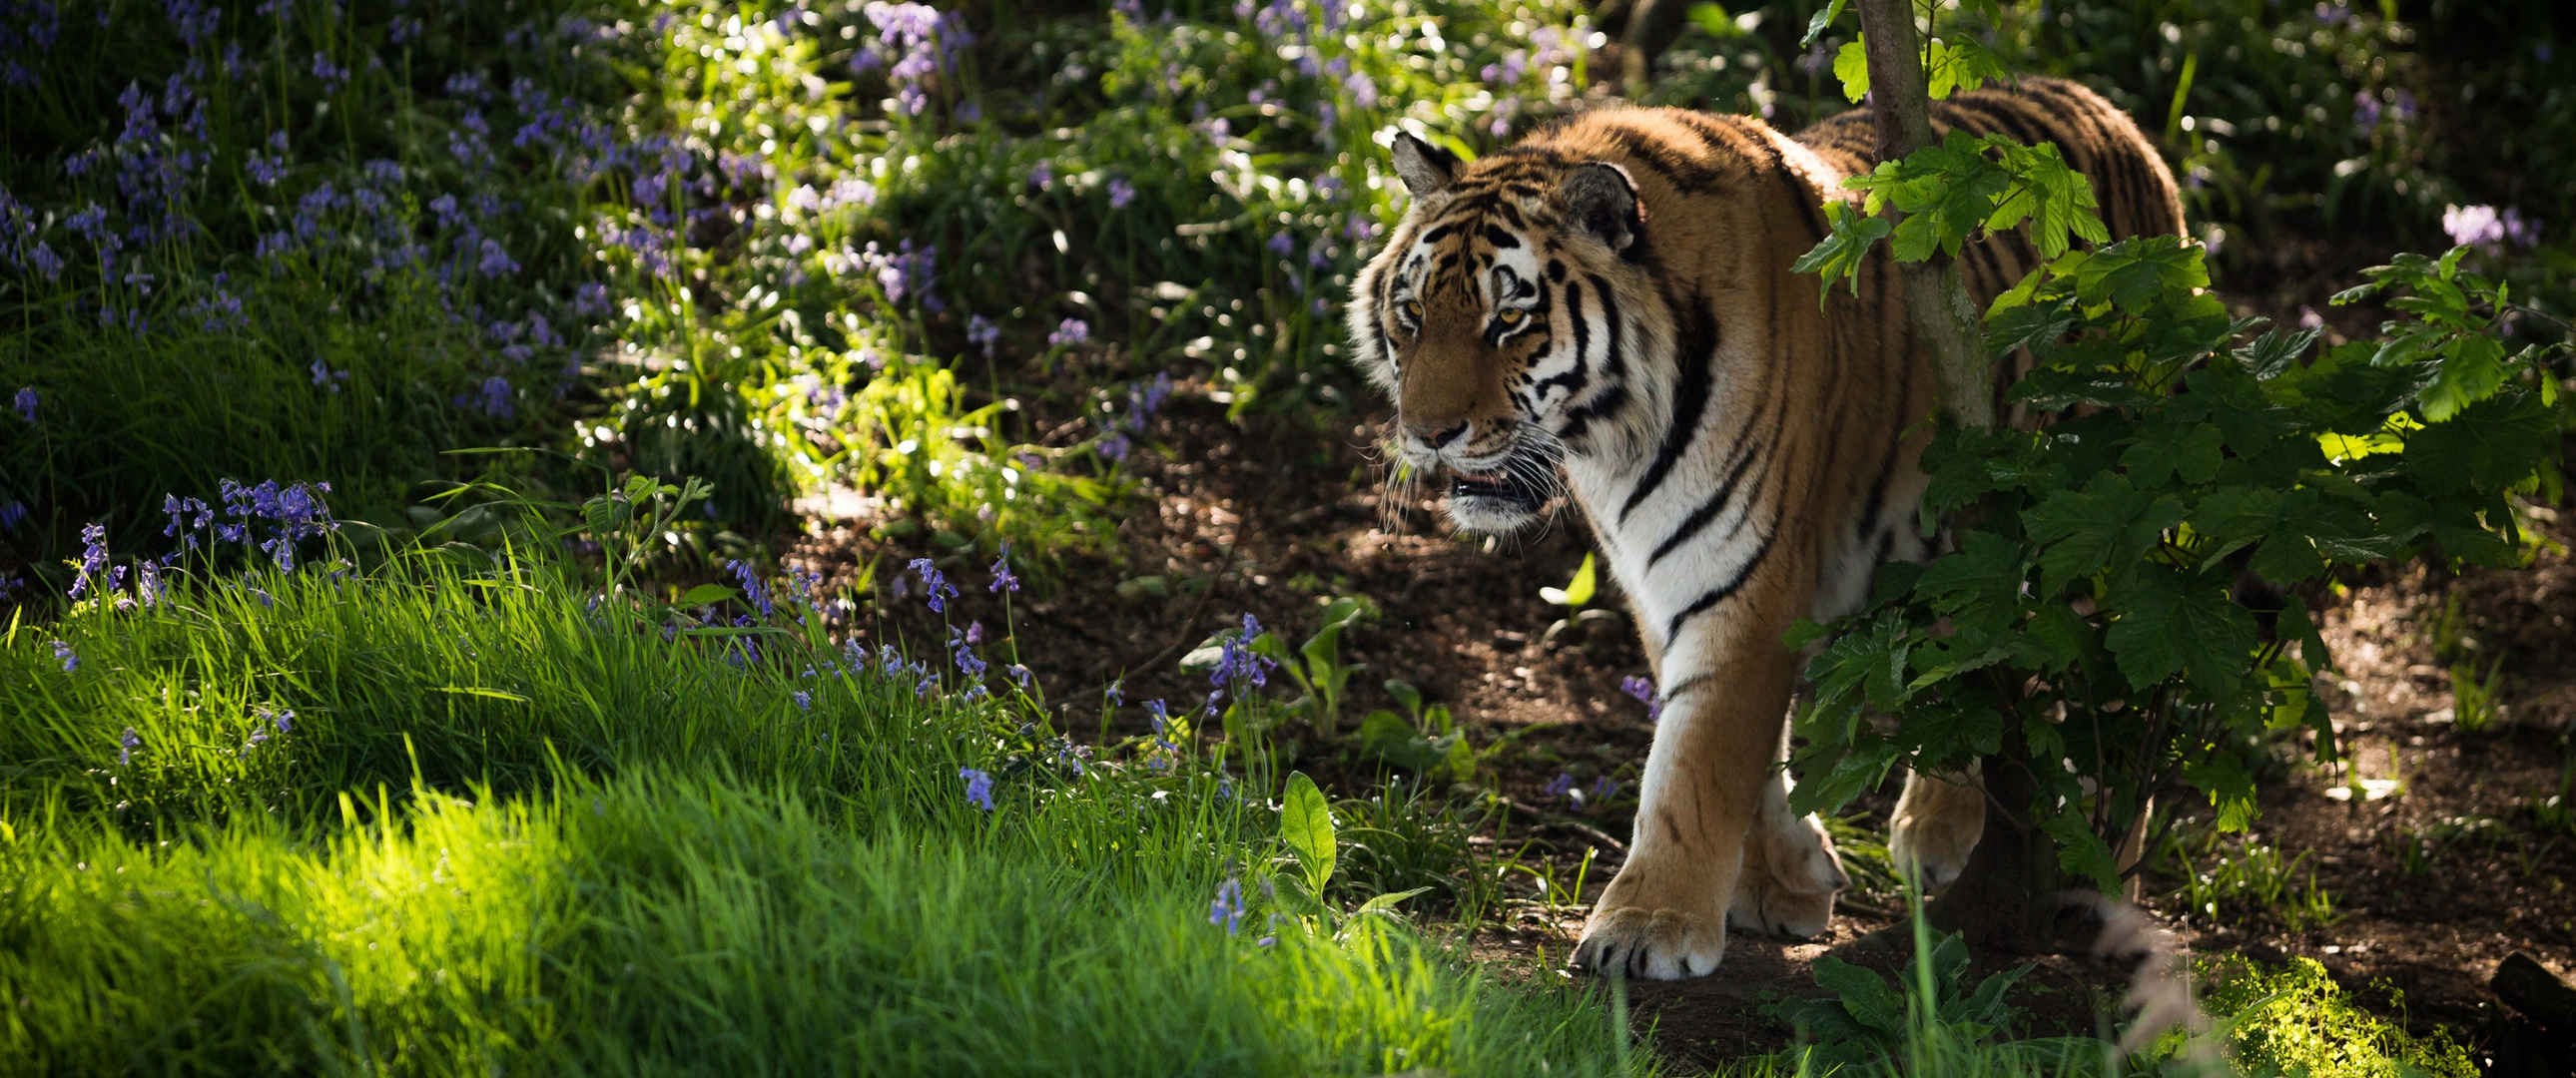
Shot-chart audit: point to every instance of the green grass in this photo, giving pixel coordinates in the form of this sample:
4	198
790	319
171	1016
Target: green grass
500	831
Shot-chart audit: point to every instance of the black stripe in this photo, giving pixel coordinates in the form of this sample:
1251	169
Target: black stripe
1708	510
1697	357
1718	594
1579	421
1810	203
1615	362
1573	379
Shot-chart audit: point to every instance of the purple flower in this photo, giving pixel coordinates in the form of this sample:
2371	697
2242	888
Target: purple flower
25	402
982	333
284	721
804	700
1561	786
93	557
125	746
70	659
494	398
1115	446
323	375
1281	244
979	788
1002	577
1121	193
1071	331
1116	693
12	514
1605	788
752	588
1227	911
935	583
1644	691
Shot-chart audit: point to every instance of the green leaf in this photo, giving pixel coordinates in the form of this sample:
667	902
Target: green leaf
1851	65
2109	524
2488	445
2274	351
2081	852
705	595
1962	65
1839	255
1865	995
1306	825
1713	20
2172	625
1405	694
1385	903
1979	584
2472	372
1576	592
1816	26
2223	778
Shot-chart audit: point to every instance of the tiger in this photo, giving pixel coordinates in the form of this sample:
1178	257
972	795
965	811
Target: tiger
1605	311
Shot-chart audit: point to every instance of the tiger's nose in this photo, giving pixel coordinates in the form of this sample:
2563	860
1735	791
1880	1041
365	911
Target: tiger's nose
1440	439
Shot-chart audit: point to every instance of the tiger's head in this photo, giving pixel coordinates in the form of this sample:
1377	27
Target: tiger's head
1490	315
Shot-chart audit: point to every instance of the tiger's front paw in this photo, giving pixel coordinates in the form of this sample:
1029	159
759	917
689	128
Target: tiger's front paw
1936	826
1789	890
1662	926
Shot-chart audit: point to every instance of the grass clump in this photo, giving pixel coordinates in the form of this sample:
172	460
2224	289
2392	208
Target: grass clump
437	809
2294	1019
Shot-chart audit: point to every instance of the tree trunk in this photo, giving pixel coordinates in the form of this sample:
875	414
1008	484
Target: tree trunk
2000	900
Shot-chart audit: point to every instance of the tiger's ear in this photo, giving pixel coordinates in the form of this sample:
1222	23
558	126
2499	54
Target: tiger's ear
1601	200
1426	169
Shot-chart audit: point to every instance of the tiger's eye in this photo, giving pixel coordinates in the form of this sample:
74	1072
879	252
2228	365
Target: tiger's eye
1412	309
1510	316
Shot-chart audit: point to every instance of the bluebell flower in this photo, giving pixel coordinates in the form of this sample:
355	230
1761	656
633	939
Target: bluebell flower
1644	691
1562	785
752	588
1116	694
25	402
1042	176
12	514
70	659
1227	910
979	788
1605	788
1115	445
804	700
93	557
1071	331
1002	577
1121	193
1019	674
935	583
494	398
125	746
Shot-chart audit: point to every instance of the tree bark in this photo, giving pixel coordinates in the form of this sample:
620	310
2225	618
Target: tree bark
2000	900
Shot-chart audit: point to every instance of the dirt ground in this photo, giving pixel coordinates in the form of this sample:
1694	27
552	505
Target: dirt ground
1233	529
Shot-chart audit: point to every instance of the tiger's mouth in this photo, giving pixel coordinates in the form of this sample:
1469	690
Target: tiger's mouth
1505	485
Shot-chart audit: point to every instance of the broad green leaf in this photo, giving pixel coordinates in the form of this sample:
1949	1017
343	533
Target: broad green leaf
2081	852
1865	995
2471	372
1838	256
1306	825
1816	26
705	595
1851	65
2173	625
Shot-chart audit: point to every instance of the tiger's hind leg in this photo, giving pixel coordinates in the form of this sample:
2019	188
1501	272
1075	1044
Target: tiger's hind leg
1791	870
1938	820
